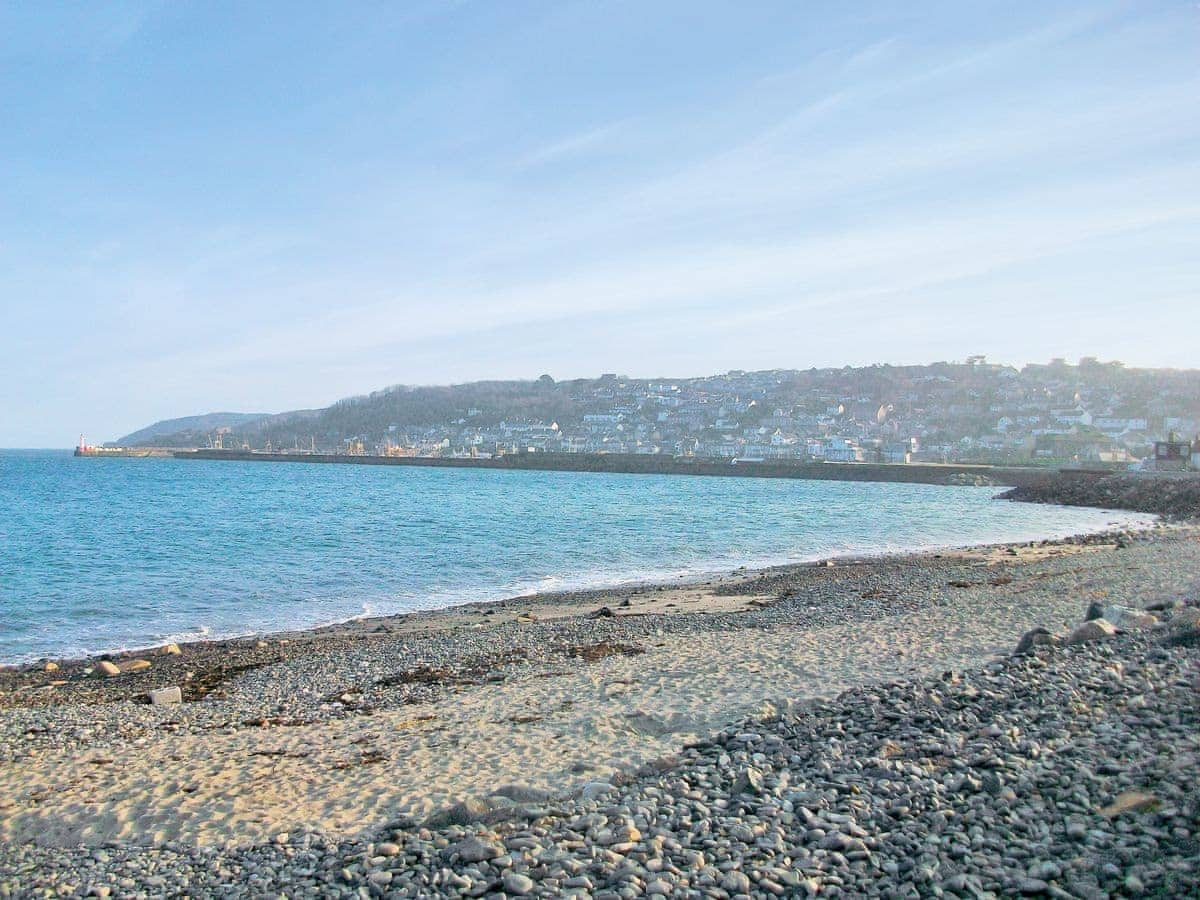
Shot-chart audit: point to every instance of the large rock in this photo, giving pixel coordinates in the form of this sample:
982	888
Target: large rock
164	696
107	668
1095	630
134	665
1038	637
1127	618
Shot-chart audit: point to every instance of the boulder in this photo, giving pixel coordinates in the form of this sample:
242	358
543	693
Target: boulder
1038	637
1127	618
170	650
164	696
107	668
1095	630
51	667
134	665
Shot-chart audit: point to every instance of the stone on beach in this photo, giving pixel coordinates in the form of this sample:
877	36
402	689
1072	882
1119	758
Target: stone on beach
133	665
1131	802
1128	619
1093	630
1037	637
107	668
475	849
166	695
170	650
594	789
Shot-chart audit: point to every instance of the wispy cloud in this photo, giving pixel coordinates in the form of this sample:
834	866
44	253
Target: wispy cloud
568	146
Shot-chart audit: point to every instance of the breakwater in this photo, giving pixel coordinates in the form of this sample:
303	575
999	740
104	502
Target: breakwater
644	464
1160	493
125	452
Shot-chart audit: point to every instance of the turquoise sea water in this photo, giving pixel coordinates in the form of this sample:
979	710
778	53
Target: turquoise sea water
101	554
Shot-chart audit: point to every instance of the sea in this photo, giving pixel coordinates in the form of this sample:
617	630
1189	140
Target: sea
108	554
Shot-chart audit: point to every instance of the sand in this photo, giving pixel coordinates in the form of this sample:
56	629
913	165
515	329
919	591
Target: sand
563	724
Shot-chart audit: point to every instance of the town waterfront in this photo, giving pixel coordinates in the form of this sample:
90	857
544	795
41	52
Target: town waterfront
102	554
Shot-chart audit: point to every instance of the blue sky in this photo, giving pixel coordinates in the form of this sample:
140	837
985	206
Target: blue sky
266	206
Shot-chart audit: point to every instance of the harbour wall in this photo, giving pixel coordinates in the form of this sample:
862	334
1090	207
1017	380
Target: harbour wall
640	464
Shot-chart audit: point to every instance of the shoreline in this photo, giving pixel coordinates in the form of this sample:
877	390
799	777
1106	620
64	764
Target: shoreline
310	755
569	602
811	745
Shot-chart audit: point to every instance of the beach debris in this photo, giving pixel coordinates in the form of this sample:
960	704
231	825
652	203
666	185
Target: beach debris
1037	637
1095	630
166	695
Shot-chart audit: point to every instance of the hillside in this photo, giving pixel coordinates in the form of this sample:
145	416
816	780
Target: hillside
195	427
967	411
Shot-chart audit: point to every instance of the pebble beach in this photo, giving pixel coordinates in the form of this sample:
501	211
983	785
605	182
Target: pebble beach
853	727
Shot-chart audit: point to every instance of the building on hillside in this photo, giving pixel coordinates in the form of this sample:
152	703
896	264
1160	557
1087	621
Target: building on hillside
1170	454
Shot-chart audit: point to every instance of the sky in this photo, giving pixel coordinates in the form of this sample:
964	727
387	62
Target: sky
266	206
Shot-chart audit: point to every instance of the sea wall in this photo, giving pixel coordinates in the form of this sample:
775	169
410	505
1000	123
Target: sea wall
639	464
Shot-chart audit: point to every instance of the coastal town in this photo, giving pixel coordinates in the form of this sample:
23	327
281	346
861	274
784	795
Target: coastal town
1094	413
